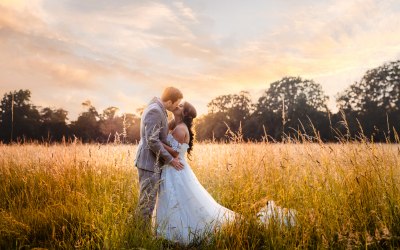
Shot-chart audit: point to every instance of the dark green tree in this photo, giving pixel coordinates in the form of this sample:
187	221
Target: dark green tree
54	124
19	118
290	105
86	127
110	125
374	102
225	111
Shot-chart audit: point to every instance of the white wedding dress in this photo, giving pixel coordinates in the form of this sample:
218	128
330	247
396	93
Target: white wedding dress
185	211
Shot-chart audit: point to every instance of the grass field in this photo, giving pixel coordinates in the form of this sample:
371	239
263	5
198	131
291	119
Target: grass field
84	196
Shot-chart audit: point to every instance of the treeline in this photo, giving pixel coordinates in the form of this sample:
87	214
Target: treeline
291	108
21	121
296	108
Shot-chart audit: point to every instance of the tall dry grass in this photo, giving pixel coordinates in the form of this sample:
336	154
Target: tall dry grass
84	196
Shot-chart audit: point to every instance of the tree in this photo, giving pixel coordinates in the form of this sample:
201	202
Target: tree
132	127
110	125
211	126
374	101
86	127
19	119
224	111
288	106
379	87
54	124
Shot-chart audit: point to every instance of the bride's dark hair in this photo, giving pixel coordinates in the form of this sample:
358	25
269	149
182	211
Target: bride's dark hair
189	113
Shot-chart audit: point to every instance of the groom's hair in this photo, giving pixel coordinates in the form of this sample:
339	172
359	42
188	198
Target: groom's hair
171	93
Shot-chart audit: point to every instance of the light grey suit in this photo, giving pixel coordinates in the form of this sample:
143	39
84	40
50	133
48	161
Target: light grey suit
151	154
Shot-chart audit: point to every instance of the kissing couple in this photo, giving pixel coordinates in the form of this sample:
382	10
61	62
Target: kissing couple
184	210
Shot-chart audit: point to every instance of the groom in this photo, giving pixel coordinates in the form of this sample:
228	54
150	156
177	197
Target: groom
151	155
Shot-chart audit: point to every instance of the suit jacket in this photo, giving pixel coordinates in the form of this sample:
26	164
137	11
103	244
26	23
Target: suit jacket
151	154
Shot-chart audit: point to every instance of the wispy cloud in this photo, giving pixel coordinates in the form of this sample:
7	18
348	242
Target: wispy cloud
317	41
124	52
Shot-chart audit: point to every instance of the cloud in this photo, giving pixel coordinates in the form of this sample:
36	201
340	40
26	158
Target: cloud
29	46
123	52
186	11
314	42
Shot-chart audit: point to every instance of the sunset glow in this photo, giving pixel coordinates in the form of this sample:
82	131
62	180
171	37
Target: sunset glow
122	53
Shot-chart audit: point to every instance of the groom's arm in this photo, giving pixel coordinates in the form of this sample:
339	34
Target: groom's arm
152	121
170	150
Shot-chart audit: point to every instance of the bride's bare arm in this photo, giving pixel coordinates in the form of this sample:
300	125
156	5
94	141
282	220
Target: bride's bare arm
181	134
170	150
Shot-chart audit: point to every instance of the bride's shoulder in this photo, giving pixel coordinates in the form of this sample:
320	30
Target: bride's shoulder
180	133
181	126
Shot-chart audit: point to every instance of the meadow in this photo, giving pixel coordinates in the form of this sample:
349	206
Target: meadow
80	196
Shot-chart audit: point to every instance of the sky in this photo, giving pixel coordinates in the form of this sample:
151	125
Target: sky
122	53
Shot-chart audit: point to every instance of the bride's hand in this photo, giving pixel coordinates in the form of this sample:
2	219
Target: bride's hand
177	164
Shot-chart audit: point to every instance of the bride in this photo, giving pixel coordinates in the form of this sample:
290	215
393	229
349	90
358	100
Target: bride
185	211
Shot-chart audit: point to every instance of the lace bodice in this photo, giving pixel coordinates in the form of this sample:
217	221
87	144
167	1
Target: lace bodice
181	148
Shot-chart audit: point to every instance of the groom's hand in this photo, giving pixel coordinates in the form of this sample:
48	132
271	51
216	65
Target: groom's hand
177	164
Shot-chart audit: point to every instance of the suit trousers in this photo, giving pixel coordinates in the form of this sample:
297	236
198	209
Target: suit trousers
149	184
